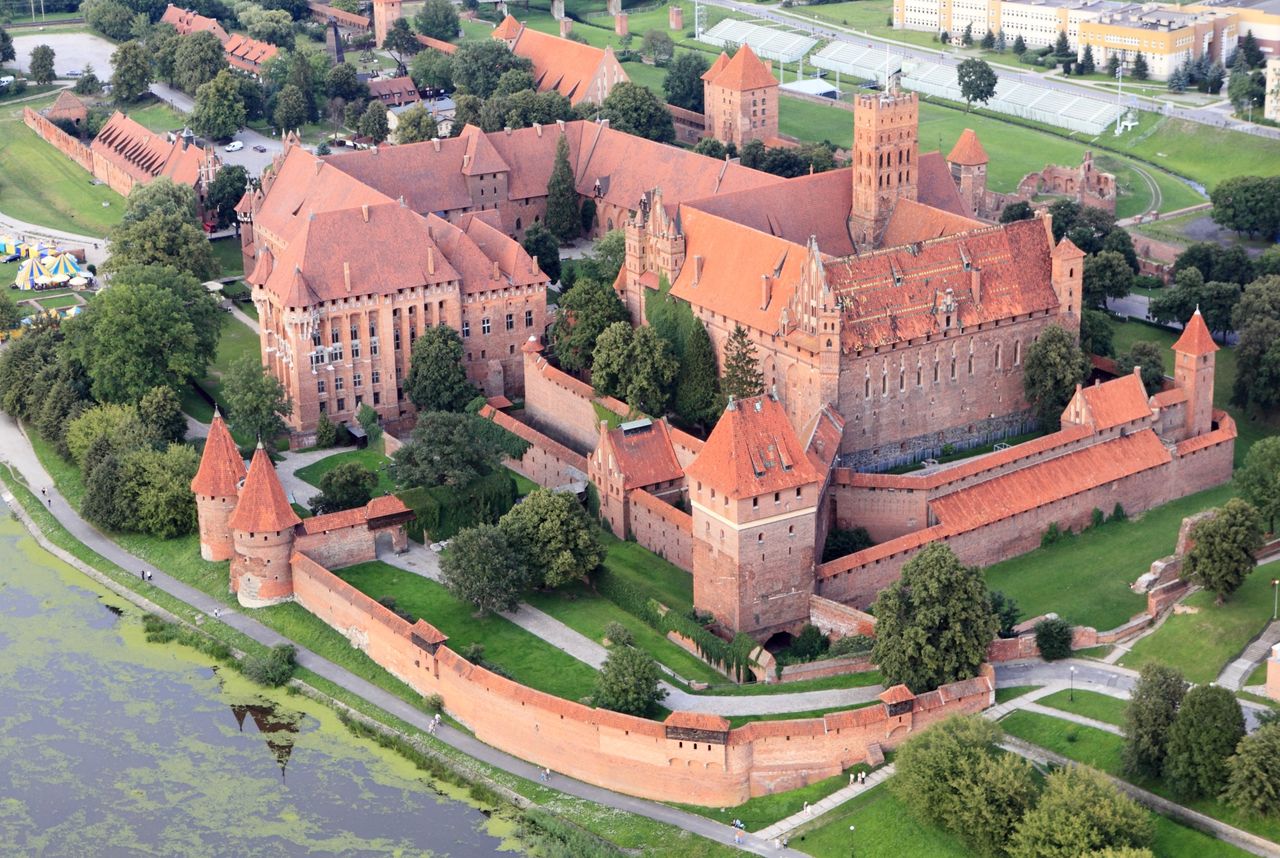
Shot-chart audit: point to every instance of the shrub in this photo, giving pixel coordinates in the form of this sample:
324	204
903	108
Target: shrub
326	432
1097	518
808	645
1051	535
273	669
1053	637
618	634
851	645
433	702
1118	513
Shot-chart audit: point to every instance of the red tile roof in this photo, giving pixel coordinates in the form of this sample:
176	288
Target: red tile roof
716	67
968	151
394	90
643	455
67	106
355	517
822	438
896	694
1226	431
436	44
698	721
508	29
936	188
1196	339
246	53
221	468
480	157
263	507
385	505
429	633
144	154
1108	404
793	209
753	450
567	67
187	22
744	72
1167	398
1050	481
912	221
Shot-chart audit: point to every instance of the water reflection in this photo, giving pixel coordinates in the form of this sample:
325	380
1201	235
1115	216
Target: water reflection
278	727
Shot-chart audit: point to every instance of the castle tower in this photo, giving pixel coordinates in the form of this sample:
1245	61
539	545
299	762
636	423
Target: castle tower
385	14
216	486
1193	373
968	163
754	495
655	244
1067	277
508	31
262	530
740	99
885	156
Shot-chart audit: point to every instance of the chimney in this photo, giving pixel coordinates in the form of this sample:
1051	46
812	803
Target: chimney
435	141
765	291
560	125
431	260
497	272
697	268
319	165
364	212
346	274
975	285
533	265
733	405
507	128
537	128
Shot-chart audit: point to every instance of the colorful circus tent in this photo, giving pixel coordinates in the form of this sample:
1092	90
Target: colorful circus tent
35	250
31	275
63	265
9	245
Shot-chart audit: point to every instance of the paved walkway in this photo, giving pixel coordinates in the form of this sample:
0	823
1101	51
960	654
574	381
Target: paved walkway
95	246
250	321
1052	712
783	827
16	450
1233	676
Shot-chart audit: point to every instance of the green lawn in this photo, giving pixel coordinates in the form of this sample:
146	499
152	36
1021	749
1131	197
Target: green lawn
1085	579
1205	154
736	721
877	825
1090	704
1003	695
157	116
38	184
844	680
57	302
669	584
1203	643
370	458
764	810
226	251
1105	751
525	657
236	341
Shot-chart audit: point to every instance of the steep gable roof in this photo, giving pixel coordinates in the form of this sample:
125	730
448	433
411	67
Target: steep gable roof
911	221
263	507
753	450
793	209
221	468
246	53
67	106
480	156
644	454
565	66
394	90
186	22
743	72
1196	339
936	188
508	29
428	175
968	151
716	67
145	154
1109	404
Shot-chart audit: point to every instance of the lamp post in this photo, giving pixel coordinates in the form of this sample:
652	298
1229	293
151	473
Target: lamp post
1071	695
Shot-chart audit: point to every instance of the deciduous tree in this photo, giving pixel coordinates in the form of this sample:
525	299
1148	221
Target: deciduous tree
1106	275
1019	210
628	682
1222	556
977	81
159	227
255	400
437	379
347	486
1095	333
554	538
118	425
1150	357
432	69
1054	366
634	109
401	44
198	60
542	245
683	83
478	65
1079	812
416	125
438	19
373	122
225	192
291	109
934	623
481	567
635	365
87	83
1206	731
586	309
658	46
1259	479
343	82
448	448
40	66
219	110
160	485
160	411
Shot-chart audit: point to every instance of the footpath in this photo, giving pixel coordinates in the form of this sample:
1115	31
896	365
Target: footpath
16	450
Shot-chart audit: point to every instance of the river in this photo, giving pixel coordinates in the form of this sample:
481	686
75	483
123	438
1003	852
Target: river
110	745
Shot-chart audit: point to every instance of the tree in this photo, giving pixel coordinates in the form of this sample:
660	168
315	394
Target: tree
347	486
1206	731
308	72
255	400
367	417
432	70
448	448
605	259
934	623
1253	773
117	425
1061	47
437	379
326	431
977	81
40	66
1259	479
1240	87
1213	80
1257	384
273	26
1019	45
709	146
989	41
1001	42
225	192
1015	211
563	218
477	66
10	314
7	52
291	109
1247	204
219	108
966	37
160	485
401	44
111	19
1106	275
104	503
373	122
1006	611
697	399
955	776
1095	333
553	537
683	84
162	49
416	125
87	83
438	19
1079	812
635	365
161	414
742	375
634	109
198	60
482	568
1054	366
628	682
1222	554
159	227
658	46
586	309
1140	69
1087	65
1150	357
1053	639
343	82
542	245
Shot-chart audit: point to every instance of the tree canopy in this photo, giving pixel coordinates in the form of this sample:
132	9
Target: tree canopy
1259	479
551	533
539	243
198	60
452	448
159	227
1148	716
1106	275
683	83
1150	357
225	191
481	568
478	65
219	110
742	375
1208	726
1253	779
1079	812
255	400
131	72
437	379
628	682
977	81
438	19
563	219
1222	556
634	364
1054	366
634	109
586	309
348	485
416	125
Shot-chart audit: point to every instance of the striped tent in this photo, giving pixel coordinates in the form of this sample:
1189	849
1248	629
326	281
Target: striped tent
31	275
62	265
34	251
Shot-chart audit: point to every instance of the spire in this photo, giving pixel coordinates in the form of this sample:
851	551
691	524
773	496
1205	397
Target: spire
221	468
263	507
968	151
1196	339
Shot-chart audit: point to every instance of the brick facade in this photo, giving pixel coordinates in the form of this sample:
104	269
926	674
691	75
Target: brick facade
740	99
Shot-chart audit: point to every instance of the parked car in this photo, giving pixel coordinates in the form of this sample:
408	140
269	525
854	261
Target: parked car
235	146
74	73
259	148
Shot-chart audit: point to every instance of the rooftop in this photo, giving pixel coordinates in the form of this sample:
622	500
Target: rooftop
752	451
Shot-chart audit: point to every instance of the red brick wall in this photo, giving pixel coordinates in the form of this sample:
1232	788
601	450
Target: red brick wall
885	513
562	406
546	462
337	548
840	620
620	752
661	528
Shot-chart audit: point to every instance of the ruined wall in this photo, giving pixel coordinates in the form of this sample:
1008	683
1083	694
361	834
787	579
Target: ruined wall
661	528
619	752
59	139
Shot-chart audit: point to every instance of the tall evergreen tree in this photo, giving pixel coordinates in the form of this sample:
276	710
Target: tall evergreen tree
989	41
1140	69
563	218
1209	726
1062	48
1087	65
697	400
1113	65
742	375
1019	45
1148	716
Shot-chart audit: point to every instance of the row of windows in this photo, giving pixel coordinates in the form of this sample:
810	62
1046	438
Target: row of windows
902	373
341	404
486	326
339	383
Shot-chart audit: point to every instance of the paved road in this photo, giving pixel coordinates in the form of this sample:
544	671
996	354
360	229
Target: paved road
1235	673
95	247
16	450
254	162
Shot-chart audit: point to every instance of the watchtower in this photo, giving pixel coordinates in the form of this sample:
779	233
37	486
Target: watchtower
885	156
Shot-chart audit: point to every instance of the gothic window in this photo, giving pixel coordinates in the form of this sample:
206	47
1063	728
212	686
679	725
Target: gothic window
953	369
376	377
866	388
315	337
997	356
338	383
1017	352
357	380
511	321
335	335
320	386
373	346
466	329
355	348
970	364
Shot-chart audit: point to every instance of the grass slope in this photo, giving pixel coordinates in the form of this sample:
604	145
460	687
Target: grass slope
764	810
369	458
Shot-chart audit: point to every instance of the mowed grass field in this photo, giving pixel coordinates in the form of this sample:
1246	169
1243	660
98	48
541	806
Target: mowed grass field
38	184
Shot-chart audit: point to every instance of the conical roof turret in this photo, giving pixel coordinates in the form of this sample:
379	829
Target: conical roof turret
263	506
221	468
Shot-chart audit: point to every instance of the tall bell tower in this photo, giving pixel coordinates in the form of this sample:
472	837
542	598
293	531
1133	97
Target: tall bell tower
885	159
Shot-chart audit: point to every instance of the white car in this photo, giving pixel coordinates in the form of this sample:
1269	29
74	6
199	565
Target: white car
235	146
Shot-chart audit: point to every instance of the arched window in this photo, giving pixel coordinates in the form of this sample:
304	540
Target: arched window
517	224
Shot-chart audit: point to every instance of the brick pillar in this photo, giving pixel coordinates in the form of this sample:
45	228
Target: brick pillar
675	17
566	27
620	24
1273	673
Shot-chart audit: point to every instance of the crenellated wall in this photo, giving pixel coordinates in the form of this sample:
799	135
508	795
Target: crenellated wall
620	752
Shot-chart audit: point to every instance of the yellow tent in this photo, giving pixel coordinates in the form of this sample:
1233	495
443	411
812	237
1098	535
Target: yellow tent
63	265
8	244
31	275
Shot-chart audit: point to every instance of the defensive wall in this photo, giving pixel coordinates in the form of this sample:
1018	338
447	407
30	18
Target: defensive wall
661	528
547	462
58	139
691	758
562	407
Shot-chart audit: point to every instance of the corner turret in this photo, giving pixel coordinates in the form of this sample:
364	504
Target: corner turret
262	531
1193	373
216	486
